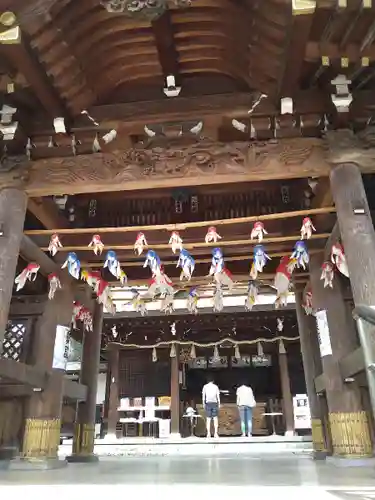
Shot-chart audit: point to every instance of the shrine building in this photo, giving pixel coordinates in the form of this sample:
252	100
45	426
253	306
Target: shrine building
186	192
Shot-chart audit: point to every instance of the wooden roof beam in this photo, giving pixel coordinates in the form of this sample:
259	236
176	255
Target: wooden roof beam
25	61
230	105
298	39
46	211
165	44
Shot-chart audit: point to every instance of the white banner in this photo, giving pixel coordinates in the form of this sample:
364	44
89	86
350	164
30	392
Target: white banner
61	350
323	333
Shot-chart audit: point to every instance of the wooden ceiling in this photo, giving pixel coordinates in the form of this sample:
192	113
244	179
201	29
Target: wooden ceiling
76	56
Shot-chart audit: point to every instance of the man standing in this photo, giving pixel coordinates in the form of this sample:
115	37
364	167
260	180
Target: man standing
246	402
211	404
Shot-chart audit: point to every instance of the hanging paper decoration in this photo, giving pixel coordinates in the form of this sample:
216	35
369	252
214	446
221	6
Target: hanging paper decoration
259	261
187	264
140	243
280	324
91	277
114	332
160	283
216	356
237	353
252	295
153	262
339	259
260	349
212	236
167	304
282	349
307	228
28	274
103	293
327	274
54	244
258	231
54	284
113	265
77	307
307	303
300	254
175	241
282	280
221	275
81	313
154	355
172	353
192	301
86	318
73	264
96	244
138	303
218	299
193	353
217	264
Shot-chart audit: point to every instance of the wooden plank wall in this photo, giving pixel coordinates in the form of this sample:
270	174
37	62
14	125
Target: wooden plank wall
140	377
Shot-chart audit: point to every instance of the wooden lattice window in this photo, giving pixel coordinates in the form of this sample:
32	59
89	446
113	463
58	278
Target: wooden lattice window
13	340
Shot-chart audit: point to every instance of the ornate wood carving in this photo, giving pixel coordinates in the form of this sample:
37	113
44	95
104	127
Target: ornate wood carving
203	162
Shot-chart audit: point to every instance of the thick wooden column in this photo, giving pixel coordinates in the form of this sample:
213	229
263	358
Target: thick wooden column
175	394
84	432
358	238
348	421
286	392
312	367
13	205
113	400
43	409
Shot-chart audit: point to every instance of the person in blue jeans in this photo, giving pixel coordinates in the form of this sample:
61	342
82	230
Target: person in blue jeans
246	402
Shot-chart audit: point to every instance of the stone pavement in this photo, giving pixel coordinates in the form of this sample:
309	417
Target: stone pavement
271	475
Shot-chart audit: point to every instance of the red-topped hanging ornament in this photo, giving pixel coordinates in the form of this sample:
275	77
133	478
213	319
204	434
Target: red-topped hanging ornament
96	244
258	231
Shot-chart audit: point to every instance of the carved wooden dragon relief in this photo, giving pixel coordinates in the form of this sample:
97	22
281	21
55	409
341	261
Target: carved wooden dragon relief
146	165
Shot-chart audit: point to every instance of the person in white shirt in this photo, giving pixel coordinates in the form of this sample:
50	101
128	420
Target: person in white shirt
211	404
246	402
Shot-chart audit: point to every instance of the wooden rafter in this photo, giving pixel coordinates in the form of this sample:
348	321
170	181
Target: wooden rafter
46	211
26	62
165	44
183	226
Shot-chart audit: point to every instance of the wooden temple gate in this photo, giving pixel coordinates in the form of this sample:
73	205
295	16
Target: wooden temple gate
178	117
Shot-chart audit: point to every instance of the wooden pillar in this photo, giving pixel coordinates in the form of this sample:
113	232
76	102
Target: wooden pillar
348	421
175	393
286	392
43	409
312	367
113	402
13	203
358	238
84	432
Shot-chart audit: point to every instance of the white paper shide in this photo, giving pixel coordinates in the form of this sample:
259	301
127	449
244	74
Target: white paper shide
61	350
323	333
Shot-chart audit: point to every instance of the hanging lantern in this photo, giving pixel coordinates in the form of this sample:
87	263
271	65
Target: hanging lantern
154	355
260	349
216	353
237	353
172	354
193	354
